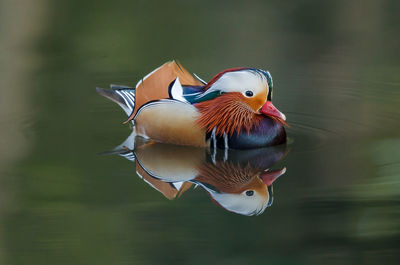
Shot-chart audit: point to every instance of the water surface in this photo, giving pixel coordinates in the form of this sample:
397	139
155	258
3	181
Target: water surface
336	77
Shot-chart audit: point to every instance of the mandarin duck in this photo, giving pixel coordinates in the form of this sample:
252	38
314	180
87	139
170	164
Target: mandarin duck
240	182
233	110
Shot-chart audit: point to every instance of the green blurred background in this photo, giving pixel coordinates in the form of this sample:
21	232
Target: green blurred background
336	69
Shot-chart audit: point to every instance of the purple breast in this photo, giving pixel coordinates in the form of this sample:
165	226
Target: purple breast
268	133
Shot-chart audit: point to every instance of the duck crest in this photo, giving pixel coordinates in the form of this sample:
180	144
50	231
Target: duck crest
217	76
228	114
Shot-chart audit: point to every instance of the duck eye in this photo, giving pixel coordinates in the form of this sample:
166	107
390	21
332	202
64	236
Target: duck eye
249	93
250	193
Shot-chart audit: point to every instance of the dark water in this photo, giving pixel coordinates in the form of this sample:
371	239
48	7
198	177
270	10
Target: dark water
336	69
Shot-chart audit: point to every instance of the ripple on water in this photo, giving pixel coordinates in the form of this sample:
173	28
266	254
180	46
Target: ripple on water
323	109
310	132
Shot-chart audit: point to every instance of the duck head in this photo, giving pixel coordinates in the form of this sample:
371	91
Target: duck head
237	99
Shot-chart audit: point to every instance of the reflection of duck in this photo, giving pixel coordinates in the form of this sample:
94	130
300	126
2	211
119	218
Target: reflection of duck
233	110
239	181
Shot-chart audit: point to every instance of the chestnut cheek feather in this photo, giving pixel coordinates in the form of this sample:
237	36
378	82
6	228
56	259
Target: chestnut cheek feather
230	177
228	113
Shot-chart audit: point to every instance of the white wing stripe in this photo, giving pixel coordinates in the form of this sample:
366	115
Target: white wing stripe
123	96
177	91
128	97
130	156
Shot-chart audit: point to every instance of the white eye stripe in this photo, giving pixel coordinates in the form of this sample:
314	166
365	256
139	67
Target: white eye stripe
242	81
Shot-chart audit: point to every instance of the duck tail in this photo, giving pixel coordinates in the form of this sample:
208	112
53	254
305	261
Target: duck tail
125	149
124	96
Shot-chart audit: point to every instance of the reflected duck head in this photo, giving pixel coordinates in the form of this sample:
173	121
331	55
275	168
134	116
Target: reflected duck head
239	189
